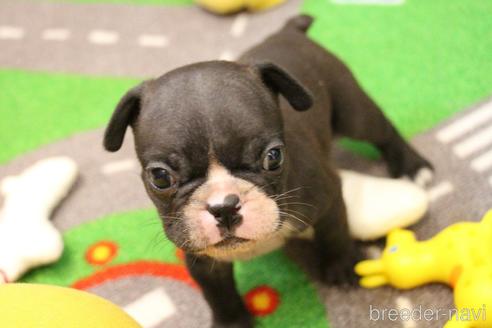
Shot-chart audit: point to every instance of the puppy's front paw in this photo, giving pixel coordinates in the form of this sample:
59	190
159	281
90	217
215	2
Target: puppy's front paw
341	271
243	322
406	162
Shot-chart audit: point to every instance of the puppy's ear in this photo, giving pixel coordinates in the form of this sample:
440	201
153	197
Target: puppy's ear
280	82
124	114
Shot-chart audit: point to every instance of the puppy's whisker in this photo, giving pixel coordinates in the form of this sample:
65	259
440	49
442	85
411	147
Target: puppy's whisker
253	187
288	226
158	239
297	214
184	243
197	202
250	189
287	210
299	203
292	190
151	222
194	261
213	264
169	217
286	192
289	192
267	185
293	217
279	198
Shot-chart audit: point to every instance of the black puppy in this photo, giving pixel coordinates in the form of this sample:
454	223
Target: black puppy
234	171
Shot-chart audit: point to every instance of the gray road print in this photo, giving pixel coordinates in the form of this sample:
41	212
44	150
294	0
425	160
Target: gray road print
125	40
167	303
108	182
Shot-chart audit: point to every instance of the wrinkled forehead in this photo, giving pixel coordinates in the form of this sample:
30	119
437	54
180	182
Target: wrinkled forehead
234	122
220	98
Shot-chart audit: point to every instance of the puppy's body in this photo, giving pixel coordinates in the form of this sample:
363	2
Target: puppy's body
234	170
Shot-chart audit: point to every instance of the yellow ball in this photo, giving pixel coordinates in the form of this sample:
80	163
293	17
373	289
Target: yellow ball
225	7
44	306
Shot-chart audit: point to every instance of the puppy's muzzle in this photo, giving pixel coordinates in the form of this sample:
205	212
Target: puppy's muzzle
227	213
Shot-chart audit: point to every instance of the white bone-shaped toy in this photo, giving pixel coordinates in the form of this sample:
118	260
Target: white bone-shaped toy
27	236
375	206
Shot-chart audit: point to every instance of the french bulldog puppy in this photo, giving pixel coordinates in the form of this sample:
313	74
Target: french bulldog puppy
235	170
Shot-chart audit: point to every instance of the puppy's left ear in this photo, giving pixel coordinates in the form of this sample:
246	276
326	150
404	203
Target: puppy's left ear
281	82
125	113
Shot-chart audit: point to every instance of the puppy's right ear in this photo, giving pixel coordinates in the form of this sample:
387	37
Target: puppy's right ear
125	113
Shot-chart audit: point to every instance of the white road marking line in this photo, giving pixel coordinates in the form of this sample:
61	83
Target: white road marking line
239	25
153	40
465	124
119	166
440	190
404	303
490	180
483	162
474	143
55	34
226	55
11	33
368	2
103	37
424	177
152	308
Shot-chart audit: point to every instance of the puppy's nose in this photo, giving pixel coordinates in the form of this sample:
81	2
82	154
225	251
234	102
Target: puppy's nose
227	213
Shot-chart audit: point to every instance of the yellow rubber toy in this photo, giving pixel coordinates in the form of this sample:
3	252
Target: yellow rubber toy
224	7
459	256
43	306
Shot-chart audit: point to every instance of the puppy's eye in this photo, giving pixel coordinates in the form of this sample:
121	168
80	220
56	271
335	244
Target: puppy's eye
161	178
273	159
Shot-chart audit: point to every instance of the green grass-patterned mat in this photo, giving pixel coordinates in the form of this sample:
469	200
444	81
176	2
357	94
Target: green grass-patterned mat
105	246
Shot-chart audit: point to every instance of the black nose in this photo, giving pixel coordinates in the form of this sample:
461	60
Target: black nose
226	213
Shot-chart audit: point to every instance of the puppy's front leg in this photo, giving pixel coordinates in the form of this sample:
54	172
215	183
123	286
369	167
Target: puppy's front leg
337	251
217	281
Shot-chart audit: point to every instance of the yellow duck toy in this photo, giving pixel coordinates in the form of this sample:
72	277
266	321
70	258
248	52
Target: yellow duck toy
225	7
459	256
